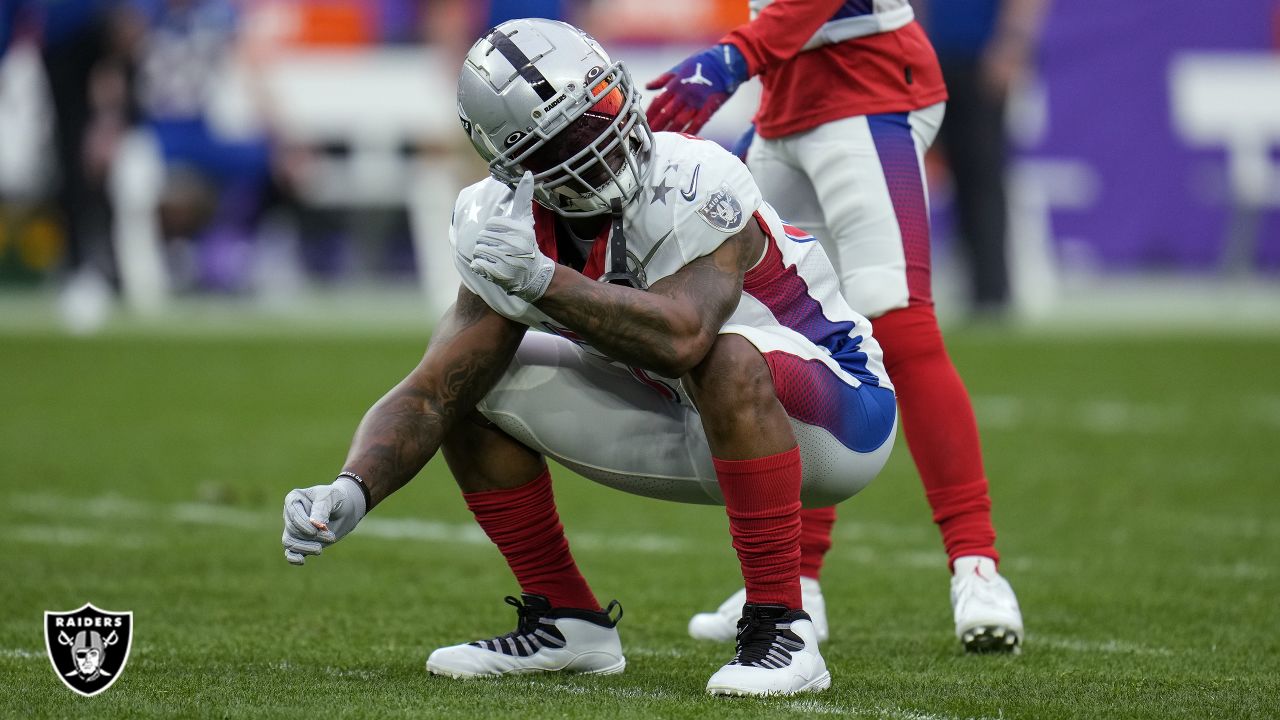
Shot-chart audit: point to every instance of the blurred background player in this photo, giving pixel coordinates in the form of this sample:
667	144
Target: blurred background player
85	48
852	99
985	47
215	186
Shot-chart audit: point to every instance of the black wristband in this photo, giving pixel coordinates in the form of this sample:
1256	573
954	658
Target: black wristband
364	489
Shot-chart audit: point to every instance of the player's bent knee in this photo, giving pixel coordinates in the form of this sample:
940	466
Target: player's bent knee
733	389
733	372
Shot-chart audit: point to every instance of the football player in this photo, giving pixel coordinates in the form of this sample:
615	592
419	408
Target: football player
853	98
691	347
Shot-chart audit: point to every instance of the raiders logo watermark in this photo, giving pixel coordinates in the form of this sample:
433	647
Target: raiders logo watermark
88	647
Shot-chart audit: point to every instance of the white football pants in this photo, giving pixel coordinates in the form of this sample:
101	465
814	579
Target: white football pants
858	185
632	432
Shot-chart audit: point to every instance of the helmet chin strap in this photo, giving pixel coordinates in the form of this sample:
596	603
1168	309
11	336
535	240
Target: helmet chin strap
618	273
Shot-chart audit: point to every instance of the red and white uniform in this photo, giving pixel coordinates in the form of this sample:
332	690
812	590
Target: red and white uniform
853	98
631	429
843	127
823	60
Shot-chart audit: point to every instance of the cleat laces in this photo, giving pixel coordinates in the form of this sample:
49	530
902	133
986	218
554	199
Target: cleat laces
765	639
533	632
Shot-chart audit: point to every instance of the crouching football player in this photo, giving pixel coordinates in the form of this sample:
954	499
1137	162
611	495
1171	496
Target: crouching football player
692	347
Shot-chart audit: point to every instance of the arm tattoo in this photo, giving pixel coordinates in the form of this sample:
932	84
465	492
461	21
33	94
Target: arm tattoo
471	349
657	330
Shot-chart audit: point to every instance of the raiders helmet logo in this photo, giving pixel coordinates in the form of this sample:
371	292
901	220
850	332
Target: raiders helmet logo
722	210
88	647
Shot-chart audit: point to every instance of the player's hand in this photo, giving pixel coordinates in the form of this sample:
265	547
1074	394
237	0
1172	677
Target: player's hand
507	253
319	516
693	90
1005	63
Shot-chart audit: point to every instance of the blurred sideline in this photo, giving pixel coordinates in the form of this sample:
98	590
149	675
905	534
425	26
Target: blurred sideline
1116	306
346	230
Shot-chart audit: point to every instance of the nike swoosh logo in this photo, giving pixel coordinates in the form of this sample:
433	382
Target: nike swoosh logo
693	185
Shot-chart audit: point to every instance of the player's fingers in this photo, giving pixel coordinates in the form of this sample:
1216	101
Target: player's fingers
295	497
482	260
695	124
659	81
300	546
522	203
320	510
498	226
297	519
664	113
659	112
294	558
486	266
680	122
702	117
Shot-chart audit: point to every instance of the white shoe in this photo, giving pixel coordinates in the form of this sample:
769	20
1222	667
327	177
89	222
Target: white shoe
545	640
777	655
722	625
85	303
986	610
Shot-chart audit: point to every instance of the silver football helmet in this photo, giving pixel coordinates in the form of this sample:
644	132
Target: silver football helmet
543	96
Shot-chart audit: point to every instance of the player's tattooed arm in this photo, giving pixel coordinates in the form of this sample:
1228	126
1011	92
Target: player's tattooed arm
470	350
668	329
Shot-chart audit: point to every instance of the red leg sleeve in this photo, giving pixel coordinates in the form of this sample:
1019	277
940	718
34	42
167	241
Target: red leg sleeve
524	524
815	539
762	498
937	419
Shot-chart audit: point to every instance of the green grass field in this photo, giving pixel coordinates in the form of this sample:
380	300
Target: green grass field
1136	482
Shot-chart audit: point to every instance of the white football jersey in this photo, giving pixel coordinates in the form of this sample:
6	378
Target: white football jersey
697	196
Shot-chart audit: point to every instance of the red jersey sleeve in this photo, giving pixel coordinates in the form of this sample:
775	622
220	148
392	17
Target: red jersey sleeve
779	32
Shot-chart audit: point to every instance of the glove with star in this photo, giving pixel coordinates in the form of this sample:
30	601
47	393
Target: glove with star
693	90
507	253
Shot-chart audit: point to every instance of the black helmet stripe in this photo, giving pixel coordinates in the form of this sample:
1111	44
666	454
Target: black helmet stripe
522	64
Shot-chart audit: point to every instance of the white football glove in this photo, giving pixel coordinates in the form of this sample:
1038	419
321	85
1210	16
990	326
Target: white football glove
507	253
319	516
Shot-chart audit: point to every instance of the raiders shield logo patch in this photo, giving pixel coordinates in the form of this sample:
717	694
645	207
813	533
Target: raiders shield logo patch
722	210
88	647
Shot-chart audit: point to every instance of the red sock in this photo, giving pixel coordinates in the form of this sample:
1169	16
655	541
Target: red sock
815	539
525	526
762	498
941	431
963	513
